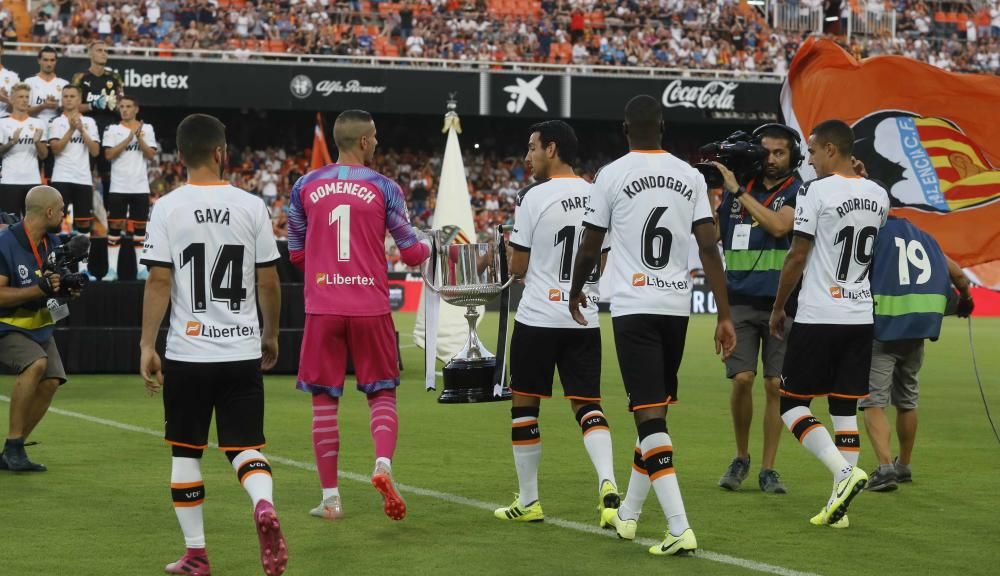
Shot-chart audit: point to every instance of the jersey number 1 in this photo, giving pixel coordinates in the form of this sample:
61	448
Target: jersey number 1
229	261
567	236
341	216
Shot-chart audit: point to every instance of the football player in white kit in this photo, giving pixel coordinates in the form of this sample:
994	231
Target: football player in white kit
837	217
650	202
547	230
73	140
208	240
22	145
129	146
46	95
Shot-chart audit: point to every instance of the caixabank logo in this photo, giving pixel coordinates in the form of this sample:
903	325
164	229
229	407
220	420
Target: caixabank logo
198	330
643	280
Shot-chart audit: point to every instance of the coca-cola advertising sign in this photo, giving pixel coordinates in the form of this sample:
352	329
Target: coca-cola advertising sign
715	95
684	100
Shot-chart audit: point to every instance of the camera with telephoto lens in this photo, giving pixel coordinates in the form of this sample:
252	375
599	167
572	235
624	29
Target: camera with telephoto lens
741	152
63	261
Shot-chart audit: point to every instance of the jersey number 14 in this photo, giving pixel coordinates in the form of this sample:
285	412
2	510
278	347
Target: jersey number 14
227	276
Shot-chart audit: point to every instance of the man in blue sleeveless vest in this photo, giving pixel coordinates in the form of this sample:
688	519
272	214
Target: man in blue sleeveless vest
755	225
911	278
26	320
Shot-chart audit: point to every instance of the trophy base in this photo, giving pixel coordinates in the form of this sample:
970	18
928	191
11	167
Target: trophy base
470	382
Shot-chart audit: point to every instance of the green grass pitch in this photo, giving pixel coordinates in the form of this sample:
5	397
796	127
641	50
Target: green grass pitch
104	506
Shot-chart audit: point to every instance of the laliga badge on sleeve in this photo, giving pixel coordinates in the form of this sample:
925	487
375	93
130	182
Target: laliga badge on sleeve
741	237
57	310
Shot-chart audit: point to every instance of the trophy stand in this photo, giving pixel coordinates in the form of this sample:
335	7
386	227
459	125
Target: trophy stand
468	378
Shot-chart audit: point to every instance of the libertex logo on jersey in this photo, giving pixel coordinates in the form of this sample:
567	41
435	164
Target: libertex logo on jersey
557	295
839	293
197	329
325	279
641	280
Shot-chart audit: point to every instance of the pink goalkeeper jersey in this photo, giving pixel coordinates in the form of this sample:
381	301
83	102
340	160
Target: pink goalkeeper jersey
337	219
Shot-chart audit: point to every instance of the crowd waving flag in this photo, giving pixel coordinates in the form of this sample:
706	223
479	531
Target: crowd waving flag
928	135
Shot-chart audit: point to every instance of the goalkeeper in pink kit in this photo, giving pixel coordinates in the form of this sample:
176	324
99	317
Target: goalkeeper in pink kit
337	219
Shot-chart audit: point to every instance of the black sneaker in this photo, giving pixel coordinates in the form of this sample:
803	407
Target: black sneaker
3	463
770	482
17	459
735	474
882	480
903	473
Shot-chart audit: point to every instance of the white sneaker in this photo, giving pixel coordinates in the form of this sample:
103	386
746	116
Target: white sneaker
111	276
330	509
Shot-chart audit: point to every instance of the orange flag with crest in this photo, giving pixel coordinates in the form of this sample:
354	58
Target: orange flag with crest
930	136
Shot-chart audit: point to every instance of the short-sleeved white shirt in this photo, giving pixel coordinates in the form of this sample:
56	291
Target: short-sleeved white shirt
649	202
842	216
129	170
549	223
72	165
212	237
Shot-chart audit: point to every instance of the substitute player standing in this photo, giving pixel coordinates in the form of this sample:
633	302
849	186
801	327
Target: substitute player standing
73	140
547	227
22	144
129	146
652	202
837	218
46	94
207	240
337	220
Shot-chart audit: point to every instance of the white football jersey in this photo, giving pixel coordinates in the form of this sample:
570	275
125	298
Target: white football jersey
842	216
72	165
650	202
129	170
7	80
212	237
549	223
41	89
20	163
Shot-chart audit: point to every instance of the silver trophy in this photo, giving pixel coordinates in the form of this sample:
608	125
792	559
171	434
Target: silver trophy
471	275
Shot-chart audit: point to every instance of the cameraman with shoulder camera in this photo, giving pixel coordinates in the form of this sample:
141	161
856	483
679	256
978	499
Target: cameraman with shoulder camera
755	225
28	313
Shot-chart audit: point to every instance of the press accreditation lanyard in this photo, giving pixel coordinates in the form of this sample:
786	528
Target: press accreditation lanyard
743	210
34	249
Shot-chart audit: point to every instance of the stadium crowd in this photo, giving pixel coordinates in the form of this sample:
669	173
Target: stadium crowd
698	34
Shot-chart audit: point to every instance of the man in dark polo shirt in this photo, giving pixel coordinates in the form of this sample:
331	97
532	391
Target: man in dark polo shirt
755	224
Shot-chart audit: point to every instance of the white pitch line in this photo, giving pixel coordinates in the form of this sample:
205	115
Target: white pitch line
456	499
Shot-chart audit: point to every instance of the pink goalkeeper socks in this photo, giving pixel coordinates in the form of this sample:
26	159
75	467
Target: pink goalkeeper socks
384	422
326	438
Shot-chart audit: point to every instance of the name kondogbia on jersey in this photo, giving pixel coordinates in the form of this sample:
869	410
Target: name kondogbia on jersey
212	216
659	182
860	204
342	187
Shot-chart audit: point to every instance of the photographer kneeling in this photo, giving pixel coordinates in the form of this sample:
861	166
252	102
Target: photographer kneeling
28	313
755	225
